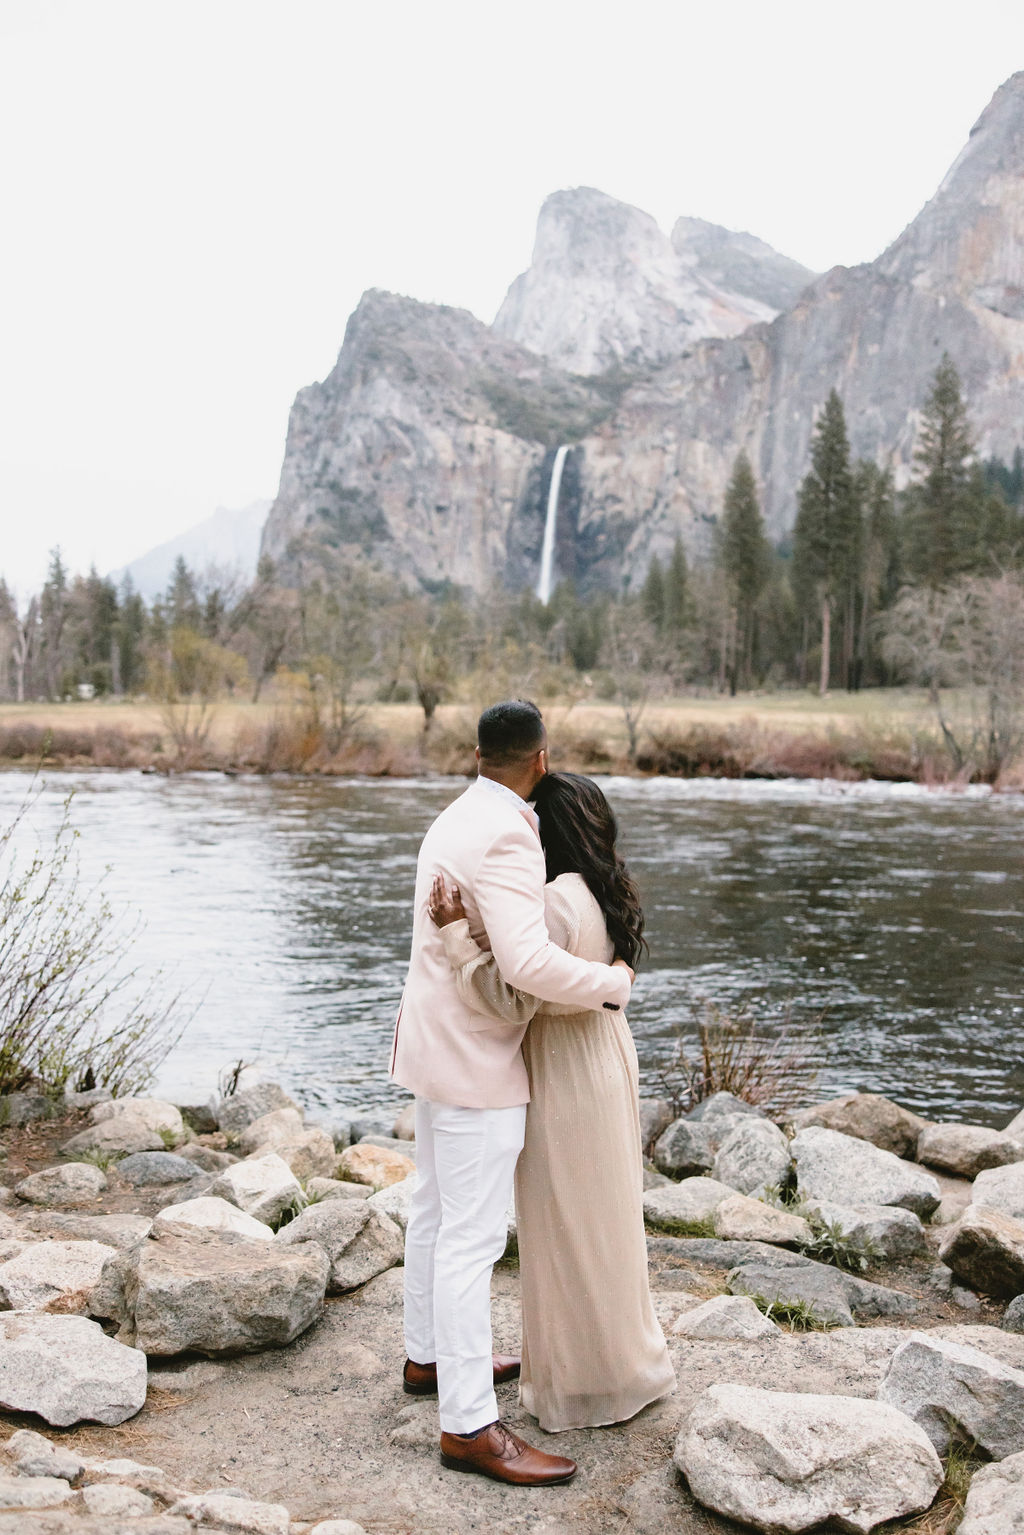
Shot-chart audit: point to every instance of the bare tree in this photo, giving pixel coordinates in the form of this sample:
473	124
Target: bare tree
965	644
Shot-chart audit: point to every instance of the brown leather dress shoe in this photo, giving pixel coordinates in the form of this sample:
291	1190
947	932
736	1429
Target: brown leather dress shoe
421	1379
498	1453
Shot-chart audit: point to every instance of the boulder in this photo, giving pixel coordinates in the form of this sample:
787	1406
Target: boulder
374	1165
338	1188
995	1499
86	1099
35	1455
834	1297
393	1201
118	1136
957	1394
684	1150
724	1316
867	1117
270	1130
967	1150
739	1219
891	1231
238	1110
53	1276
389	1143
149	1169
32	1491
366	1120
337	1527
200	1118
1002	1189
1016	1125
783	1461
656	1114
188	1290
404	1127
986	1250
359	1241
689	1203
66	1370
846	1171
1013	1316
111	1230
18	1109
70	1183
309	1154
206	1158
721	1106
111	1501
753	1157
164	1118
225	1511
211	1213
264	1187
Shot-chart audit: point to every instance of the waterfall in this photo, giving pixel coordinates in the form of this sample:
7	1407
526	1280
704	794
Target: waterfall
547	551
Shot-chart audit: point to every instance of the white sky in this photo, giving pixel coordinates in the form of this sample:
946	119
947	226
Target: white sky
195	193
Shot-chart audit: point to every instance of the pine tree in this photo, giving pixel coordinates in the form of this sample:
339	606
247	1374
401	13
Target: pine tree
745	557
53	612
652	598
941	509
182	601
677	590
826	536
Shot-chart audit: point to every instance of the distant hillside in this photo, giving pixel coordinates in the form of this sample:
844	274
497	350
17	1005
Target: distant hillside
229	539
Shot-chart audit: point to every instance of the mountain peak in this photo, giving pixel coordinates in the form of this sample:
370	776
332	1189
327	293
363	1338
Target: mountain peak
968	239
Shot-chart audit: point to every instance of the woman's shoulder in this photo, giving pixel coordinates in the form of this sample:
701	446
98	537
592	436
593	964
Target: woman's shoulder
570	889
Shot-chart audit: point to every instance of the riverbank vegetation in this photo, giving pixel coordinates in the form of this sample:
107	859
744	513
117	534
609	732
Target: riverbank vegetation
875	590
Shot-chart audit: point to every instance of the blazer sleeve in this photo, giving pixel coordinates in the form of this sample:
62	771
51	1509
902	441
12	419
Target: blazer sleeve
479	981
509	892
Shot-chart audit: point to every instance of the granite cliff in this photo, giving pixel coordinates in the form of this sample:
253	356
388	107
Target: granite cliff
429	447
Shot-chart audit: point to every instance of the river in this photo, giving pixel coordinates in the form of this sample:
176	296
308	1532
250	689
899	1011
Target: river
889	916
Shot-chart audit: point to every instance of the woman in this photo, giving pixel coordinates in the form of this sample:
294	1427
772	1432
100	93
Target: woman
593	1352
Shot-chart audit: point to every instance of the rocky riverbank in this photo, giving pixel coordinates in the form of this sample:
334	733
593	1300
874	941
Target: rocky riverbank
201	1327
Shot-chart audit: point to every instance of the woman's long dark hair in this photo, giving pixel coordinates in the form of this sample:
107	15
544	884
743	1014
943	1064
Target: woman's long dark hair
578	831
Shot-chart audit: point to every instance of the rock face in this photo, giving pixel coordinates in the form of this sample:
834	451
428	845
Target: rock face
786	1462
428	450
995	1499
957	1394
218	1293
845	1171
986	1250
607	289
65	1369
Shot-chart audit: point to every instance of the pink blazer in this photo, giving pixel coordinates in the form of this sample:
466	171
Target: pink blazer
443	1049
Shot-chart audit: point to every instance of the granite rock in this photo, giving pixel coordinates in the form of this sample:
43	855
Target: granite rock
845	1171
66	1370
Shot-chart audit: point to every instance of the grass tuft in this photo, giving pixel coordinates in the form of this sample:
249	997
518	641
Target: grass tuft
831	1244
670	1226
798	1315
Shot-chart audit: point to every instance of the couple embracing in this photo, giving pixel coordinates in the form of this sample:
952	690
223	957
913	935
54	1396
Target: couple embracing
513	1038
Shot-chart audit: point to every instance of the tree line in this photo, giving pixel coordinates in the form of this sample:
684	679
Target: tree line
824	607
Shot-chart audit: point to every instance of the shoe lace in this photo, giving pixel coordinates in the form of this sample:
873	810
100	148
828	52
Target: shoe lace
510	1441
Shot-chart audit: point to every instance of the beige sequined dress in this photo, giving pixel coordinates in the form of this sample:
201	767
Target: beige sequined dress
593	1351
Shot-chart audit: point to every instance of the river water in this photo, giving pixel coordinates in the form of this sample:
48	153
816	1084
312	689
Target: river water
892	914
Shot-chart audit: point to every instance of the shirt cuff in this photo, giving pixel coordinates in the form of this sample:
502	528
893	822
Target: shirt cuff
459	945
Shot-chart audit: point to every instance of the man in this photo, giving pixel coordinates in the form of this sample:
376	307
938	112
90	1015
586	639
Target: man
467	1073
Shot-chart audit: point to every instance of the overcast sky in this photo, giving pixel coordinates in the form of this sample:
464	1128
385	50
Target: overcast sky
196	192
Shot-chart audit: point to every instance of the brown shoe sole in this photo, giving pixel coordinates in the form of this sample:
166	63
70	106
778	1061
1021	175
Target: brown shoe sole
468	1465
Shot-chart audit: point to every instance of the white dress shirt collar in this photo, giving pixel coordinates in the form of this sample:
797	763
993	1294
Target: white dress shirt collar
492	786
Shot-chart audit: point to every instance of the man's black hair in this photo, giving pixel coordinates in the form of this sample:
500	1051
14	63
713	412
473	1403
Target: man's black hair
510	732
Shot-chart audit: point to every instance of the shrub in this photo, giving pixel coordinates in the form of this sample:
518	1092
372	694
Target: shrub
71	1010
771	1068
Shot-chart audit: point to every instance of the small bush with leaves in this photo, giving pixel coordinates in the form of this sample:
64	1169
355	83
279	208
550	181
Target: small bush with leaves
771	1067
799	1315
72	1011
831	1244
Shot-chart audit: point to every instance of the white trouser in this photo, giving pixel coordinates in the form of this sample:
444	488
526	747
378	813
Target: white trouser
466	1160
